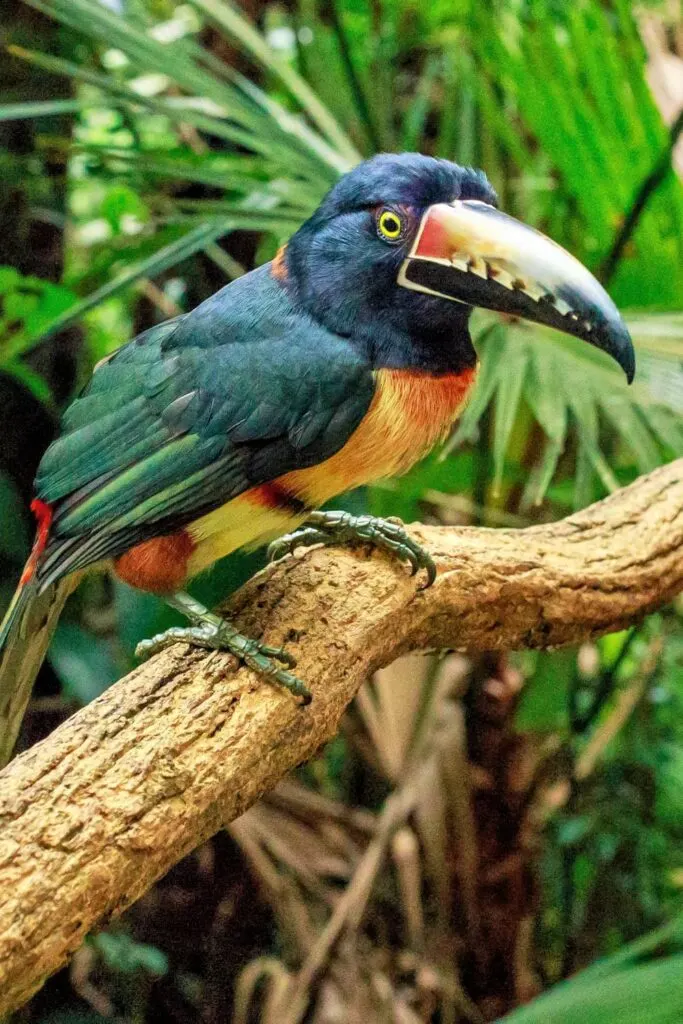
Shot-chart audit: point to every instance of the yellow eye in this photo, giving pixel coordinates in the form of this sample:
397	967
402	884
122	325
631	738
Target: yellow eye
390	225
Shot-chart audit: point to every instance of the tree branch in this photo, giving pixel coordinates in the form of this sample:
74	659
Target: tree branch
93	815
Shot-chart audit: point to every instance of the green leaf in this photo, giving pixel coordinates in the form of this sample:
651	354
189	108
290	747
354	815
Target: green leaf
165	258
627	419
544	702
550	414
508	396
32	381
39	108
230	19
541	476
28	305
572	78
646	994
585	410
82	662
124	955
571	389
487	379
416	115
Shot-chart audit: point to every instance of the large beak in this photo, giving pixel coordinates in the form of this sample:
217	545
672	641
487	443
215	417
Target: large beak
472	253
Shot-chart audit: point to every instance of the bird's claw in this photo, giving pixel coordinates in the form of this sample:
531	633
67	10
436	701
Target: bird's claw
304	537
342	527
218	635
278	654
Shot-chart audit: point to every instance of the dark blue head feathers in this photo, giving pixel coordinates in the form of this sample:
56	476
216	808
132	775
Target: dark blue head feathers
402	249
404	179
345	275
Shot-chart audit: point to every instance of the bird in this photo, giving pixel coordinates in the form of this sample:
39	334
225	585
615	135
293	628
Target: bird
343	360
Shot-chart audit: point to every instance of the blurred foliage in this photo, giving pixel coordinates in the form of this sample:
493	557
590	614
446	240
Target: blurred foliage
172	146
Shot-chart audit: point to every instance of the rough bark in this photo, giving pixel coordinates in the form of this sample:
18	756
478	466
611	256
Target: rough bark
92	816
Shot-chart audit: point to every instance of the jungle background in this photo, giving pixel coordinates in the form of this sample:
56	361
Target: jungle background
488	837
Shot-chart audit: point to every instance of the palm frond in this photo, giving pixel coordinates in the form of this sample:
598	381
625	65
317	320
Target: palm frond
574	393
69	310
237	26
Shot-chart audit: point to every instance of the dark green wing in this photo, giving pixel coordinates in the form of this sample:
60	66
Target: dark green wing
193	413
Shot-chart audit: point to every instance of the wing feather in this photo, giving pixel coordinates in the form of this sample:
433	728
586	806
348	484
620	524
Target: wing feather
193	413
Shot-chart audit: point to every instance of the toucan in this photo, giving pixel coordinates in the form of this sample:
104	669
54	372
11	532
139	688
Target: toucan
341	361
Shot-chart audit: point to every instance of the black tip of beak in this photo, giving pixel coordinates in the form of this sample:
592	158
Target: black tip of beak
586	312
601	325
614	339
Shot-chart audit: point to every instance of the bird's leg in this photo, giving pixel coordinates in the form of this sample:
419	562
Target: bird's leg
216	634
342	527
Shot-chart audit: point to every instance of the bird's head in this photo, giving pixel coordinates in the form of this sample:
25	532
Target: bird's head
402	249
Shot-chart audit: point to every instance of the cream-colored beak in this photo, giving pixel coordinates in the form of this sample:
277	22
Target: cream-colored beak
470	252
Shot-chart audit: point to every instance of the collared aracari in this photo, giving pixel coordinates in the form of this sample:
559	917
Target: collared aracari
342	361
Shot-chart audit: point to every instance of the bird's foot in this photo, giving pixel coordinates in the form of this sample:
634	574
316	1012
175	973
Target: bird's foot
213	633
342	527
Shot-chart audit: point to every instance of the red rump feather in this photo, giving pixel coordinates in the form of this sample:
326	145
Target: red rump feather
158	565
43	513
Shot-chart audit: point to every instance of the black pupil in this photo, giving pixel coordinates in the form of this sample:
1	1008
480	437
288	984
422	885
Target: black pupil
391	223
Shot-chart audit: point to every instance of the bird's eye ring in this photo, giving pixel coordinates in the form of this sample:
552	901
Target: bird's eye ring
389	225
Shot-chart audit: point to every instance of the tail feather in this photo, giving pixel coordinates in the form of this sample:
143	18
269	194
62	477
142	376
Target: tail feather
24	639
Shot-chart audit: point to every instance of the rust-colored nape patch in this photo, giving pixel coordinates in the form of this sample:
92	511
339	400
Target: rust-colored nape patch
278	265
158	565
